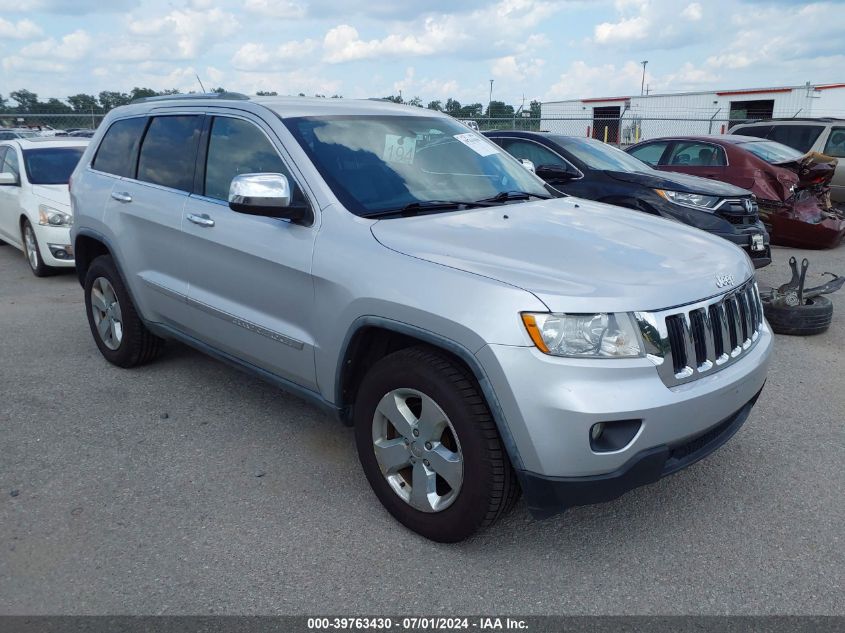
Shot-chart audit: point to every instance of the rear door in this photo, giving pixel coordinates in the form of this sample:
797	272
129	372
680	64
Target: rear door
155	158
250	289
696	158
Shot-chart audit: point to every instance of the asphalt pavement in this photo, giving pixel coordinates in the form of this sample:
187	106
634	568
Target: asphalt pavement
187	487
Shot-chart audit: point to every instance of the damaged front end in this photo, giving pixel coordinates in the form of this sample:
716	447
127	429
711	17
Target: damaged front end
794	201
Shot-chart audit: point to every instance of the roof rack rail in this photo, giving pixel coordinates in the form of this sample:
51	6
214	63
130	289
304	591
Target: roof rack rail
822	119
236	96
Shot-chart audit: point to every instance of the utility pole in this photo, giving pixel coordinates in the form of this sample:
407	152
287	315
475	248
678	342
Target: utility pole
642	84
490	100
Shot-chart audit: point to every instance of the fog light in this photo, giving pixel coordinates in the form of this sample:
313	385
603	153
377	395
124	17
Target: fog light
60	251
606	437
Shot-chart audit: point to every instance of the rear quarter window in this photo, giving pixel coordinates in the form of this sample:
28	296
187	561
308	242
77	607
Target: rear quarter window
800	137
118	150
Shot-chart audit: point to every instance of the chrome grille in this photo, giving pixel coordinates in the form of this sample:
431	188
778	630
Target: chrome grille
691	341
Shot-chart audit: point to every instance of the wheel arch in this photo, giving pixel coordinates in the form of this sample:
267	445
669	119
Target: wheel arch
371	338
87	246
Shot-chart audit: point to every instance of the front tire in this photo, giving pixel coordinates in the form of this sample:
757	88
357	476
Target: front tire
33	252
429	446
121	336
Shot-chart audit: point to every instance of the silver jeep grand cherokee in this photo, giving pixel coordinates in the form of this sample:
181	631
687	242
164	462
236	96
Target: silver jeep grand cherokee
483	335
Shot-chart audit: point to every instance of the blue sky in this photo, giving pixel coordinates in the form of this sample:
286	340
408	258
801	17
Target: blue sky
542	49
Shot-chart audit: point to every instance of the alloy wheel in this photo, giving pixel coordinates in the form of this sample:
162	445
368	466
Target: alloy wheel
417	450
31	246
105	308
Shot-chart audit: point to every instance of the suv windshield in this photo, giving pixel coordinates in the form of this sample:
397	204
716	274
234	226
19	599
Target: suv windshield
51	166
771	152
379	164
601	156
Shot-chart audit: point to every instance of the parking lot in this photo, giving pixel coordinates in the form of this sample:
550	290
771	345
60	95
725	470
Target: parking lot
188	487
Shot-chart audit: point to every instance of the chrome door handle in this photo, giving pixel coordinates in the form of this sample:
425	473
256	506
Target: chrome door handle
121	196
201	220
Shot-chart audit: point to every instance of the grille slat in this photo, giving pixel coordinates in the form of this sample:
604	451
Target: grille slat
716	325
705	336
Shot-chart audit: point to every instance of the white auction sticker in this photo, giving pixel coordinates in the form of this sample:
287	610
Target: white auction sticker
399	149
477	144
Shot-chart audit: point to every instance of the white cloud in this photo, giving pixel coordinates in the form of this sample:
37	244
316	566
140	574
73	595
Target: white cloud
693	12
192	31
20	30
513	68
73	46
603	80
343	44
276	9
253	56
624	30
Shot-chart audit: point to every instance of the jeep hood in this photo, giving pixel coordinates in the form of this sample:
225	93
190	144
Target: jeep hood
575	255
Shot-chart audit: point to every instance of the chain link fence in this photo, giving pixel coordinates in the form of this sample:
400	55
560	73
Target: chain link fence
48	122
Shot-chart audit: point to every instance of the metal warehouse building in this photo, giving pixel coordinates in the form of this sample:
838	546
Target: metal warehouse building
625	120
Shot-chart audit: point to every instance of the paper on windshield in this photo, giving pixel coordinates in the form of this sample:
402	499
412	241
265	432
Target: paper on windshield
477	144
399	149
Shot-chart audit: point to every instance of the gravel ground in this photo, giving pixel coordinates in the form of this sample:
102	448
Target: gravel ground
186	487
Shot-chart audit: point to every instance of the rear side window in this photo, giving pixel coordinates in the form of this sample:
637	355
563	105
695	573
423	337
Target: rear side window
836	143
694	154
649	154
534	152
760	131
237	147
801	137
169	152
119	148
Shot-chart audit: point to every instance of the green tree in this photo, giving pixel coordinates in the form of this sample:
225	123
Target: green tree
3	103
110	99
499	110
416	101
453	107
83	103
219	90
394	99
435	105
141	93
27	101
262	93
54	106
472	111
535	109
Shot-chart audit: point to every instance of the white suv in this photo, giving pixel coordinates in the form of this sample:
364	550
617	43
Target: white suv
35	212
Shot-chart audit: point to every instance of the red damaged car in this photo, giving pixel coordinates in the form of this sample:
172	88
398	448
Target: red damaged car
792	189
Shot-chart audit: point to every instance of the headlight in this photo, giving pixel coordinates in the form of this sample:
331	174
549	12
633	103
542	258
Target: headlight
695	200
599	335
48	216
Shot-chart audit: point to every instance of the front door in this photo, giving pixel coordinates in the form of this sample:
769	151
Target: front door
10	195
250	290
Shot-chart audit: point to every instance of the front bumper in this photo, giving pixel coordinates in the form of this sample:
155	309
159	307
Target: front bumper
743	239
550	404
546	496
54	239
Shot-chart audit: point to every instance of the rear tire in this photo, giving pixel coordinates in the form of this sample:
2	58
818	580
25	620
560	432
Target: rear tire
118	331
812	318
417	386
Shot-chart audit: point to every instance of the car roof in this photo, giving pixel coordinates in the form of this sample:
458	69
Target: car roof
284	106
44	142
786	121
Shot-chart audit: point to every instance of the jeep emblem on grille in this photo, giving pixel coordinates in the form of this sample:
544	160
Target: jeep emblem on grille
724	279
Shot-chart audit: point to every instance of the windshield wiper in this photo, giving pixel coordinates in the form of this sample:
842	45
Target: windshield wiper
415	208
505	196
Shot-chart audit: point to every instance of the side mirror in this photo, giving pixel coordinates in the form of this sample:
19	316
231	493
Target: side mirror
8	178
268	195
556	172
528	164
